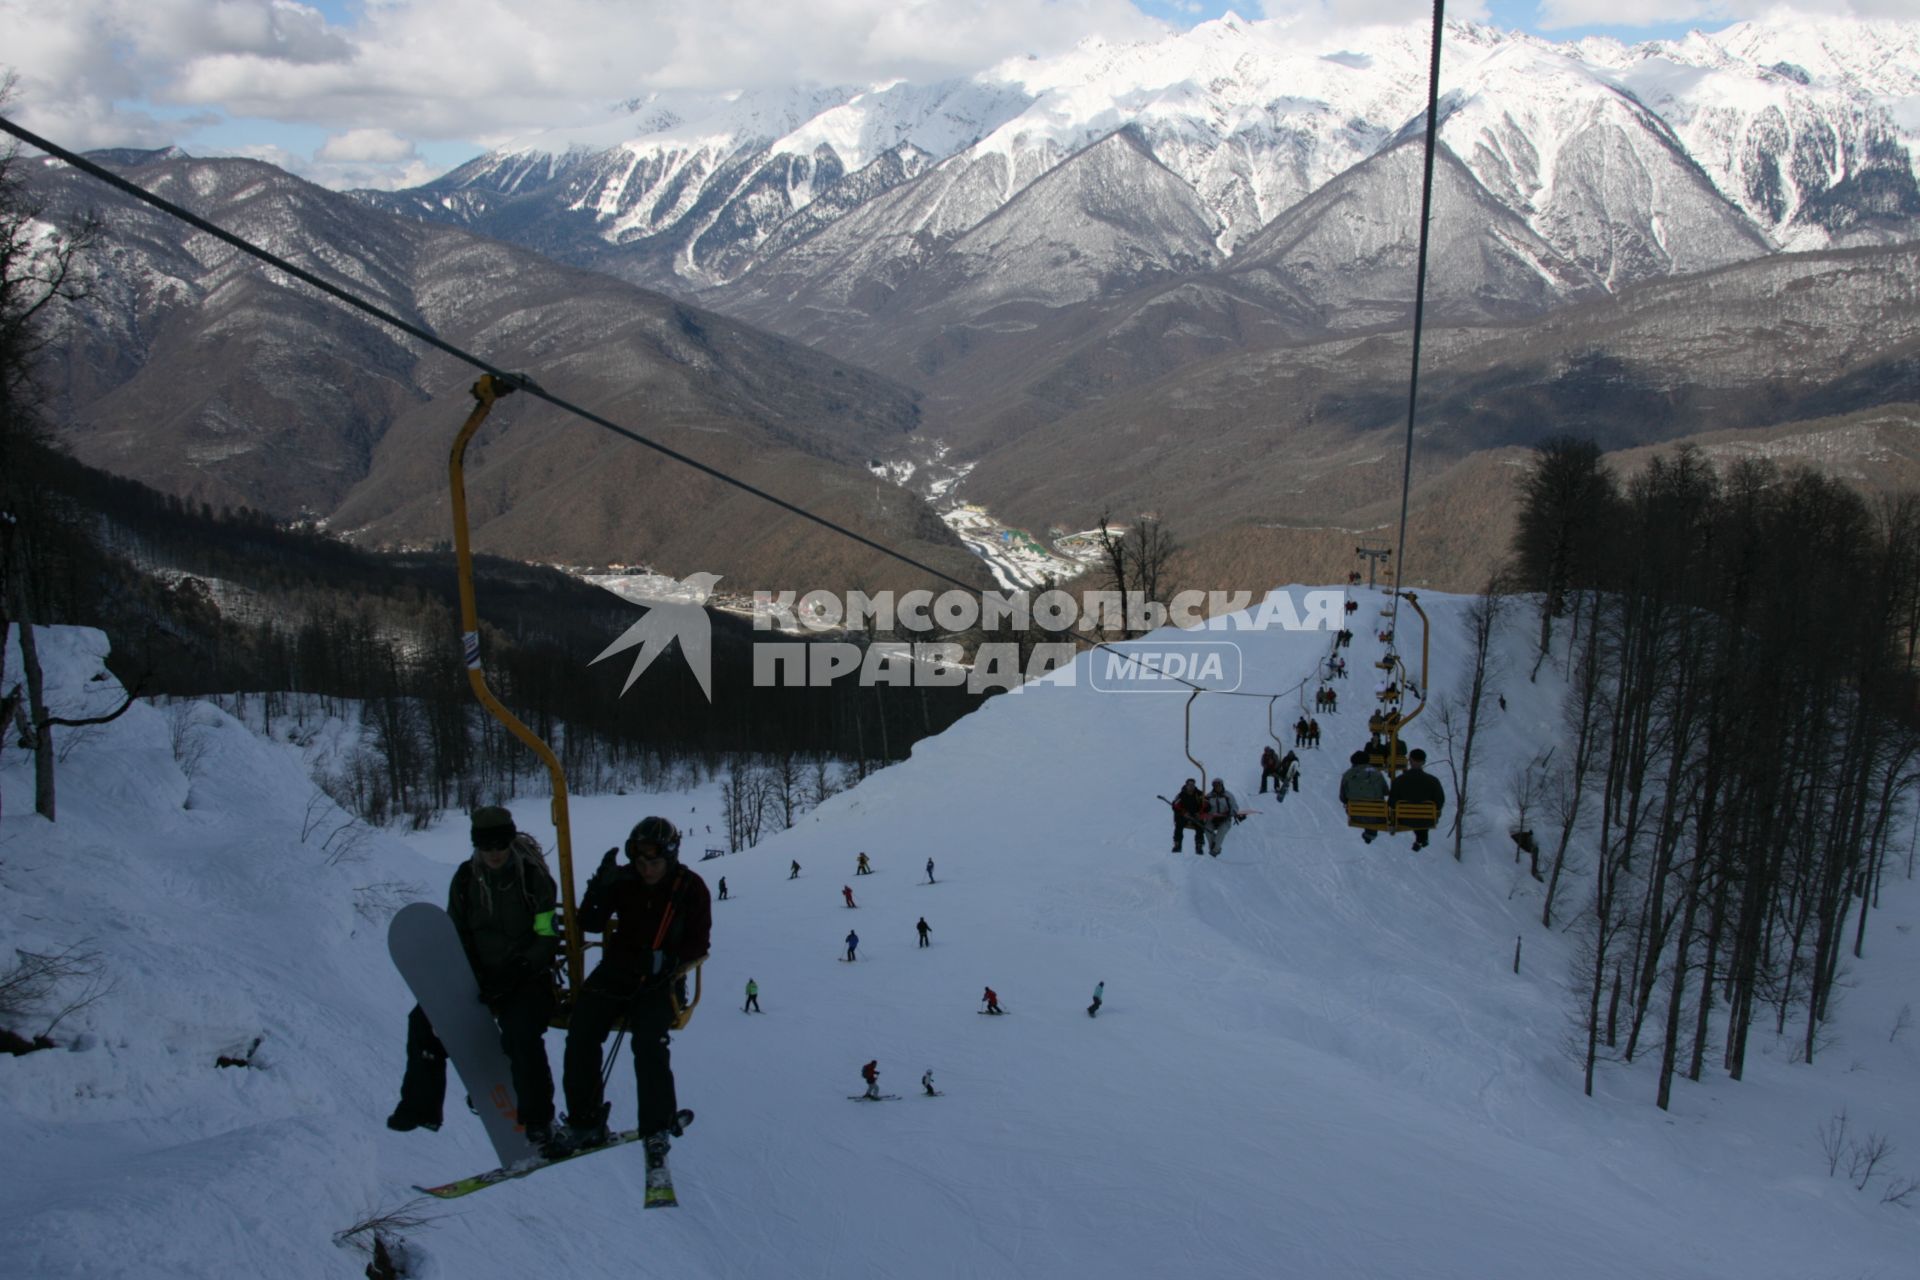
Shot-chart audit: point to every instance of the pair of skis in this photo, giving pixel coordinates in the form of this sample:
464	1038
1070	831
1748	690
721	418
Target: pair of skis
426	949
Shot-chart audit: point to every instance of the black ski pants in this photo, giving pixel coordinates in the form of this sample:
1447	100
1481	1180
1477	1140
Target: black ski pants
605	997
522	1014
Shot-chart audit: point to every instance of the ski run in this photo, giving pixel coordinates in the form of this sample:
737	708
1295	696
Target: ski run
1314	1058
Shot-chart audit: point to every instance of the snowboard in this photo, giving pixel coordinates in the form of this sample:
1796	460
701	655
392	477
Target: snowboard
659	1184
426	950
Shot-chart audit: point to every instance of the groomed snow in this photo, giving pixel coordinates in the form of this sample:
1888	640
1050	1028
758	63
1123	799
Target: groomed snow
1314	1059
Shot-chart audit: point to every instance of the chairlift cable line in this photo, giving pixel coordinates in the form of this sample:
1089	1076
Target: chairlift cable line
1419	299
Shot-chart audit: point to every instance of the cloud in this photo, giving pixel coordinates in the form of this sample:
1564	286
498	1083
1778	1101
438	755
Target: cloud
1555	14
464	69
374	146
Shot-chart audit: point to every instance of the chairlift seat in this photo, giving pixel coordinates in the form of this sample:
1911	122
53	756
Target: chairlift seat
1379	815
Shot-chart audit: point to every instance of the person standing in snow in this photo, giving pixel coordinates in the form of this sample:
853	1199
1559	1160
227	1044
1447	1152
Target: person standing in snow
753	998
924	929
929	870
1099	990
926	1082
853	941
863	867
846	891
871	1074
658	920
993	1001
723	888
1417	786
1222	812
502	901
795	873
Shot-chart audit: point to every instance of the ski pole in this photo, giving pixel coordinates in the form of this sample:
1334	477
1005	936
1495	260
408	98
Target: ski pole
606	1072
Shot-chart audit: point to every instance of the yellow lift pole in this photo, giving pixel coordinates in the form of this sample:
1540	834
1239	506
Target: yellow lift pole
485	393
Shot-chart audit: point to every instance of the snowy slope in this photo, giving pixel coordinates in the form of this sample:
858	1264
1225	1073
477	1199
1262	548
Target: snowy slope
1314	1060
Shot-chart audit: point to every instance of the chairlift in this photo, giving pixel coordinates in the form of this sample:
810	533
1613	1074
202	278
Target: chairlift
1382	815
1187	744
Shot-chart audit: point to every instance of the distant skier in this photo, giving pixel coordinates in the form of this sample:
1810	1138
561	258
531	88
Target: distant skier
1417	786
924	929
753	998
863	867
1099	990
1300	732
846	891
1270	768
993	1001
1362	782
1222	812
795	873
723	889
926	1082
1333	700
929	870
1187	808
1313	733
853	942
871	1074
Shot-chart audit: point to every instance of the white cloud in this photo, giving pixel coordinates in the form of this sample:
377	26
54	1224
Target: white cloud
366	146
463	69
1554	14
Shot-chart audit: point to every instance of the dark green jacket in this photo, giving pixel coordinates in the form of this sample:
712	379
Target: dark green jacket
505	923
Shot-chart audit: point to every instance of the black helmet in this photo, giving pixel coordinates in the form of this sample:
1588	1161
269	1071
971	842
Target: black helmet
659	833
1358	757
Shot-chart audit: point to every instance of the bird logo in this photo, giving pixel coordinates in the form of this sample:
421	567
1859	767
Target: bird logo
667	622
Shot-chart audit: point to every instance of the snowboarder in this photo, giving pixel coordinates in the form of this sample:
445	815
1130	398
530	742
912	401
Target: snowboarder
1270	768
753	998
795	873
924	929
657	919
723	888
1099	990
501	900
926	1082
1417	786
929	870
853	942
863	867
1362	782
1290	770
846	891
993	1001
1222	812
1187	807
871	1074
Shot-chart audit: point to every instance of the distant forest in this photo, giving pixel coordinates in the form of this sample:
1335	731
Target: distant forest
1740	746
202	602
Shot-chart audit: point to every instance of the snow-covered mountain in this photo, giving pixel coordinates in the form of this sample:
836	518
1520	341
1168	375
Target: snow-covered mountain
1631	162
1316	1059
